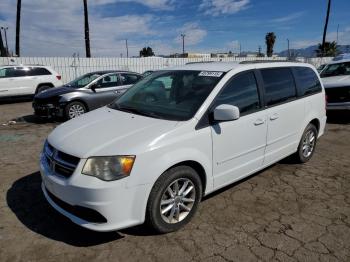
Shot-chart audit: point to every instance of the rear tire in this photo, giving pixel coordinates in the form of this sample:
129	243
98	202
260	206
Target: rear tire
307	144
74	109
41	88
174	199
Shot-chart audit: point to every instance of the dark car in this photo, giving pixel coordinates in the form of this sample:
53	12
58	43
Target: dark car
83	94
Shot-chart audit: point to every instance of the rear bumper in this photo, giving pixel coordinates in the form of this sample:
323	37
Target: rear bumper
338	106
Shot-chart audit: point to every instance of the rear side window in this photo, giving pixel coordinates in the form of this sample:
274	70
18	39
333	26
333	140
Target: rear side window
129	79
39	71
279	85
241	91
308	82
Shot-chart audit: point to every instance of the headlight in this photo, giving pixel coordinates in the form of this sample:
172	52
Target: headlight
109	168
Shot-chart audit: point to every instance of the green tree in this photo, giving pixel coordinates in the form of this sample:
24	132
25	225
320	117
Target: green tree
270	40
146	51
328	49
18	26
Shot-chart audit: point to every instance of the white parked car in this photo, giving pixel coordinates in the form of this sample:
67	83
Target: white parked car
27	80
336	80
206	126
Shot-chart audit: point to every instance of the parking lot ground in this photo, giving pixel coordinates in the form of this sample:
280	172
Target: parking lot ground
287	212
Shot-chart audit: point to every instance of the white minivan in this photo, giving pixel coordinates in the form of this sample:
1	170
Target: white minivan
177	135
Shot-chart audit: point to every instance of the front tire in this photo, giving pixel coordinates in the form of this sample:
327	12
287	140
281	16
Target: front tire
174	199
307	144
74	109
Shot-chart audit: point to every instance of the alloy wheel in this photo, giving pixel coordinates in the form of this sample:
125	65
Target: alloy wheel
75	111
177	200
309	143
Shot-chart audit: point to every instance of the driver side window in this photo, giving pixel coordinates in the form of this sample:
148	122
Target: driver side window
108	81
241	91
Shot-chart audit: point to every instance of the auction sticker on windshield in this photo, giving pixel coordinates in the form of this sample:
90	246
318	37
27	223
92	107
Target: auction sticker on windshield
212	74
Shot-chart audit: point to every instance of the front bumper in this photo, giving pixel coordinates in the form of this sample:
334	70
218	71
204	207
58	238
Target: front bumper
121	206
338	106
47	110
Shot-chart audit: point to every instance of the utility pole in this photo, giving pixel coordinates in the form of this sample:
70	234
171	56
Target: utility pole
183	44
127	48
5	33
288	48
337	32
2	49
325	28
240	49
87	31
18	26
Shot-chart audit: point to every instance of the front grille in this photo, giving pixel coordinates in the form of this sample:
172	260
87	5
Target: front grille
84	213
338	94
60	163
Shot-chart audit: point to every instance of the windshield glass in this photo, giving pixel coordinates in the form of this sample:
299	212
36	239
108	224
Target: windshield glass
336	70
171	95
83	80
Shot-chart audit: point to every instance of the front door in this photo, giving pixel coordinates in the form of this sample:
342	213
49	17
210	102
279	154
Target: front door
239	145
106	91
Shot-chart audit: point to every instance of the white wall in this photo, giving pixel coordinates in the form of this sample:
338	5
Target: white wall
70	67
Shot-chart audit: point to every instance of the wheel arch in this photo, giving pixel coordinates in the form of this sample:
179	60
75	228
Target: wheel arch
198	168
316	122
43	84
80	101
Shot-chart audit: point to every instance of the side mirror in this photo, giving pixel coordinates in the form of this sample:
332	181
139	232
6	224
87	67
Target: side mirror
225	113
94	86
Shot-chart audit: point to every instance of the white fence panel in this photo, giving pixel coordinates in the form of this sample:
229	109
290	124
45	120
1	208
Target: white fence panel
72	67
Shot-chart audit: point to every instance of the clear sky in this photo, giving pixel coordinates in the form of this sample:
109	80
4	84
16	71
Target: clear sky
56	28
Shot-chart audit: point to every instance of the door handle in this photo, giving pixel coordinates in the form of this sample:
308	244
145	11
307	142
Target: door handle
274	117
259	122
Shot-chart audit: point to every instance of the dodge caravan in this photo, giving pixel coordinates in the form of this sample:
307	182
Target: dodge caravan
177	135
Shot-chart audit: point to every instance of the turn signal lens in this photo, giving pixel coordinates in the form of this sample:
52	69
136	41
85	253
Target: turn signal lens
126	164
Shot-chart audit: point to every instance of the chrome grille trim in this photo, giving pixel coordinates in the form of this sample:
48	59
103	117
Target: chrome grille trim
53	159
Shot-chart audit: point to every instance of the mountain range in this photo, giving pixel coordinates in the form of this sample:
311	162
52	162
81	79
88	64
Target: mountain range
310	51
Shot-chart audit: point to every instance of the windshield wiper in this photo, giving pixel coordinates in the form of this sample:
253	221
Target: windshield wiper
137	111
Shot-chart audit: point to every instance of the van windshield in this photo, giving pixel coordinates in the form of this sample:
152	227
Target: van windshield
172	95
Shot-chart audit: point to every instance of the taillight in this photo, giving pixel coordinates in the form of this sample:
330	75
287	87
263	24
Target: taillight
326	99
58	77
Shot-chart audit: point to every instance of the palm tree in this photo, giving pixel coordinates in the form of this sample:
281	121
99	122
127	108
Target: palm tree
87	33
325	27
18	25
329	49
270	40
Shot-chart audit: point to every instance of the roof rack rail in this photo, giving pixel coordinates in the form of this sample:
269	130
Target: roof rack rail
267	61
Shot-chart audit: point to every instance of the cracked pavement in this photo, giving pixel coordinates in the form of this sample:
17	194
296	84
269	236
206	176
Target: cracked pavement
286	212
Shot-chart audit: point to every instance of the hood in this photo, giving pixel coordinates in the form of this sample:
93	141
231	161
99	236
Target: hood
336	81
107	132
56	91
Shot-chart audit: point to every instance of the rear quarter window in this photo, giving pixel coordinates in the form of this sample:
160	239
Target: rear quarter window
39	71
307	81
279	85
